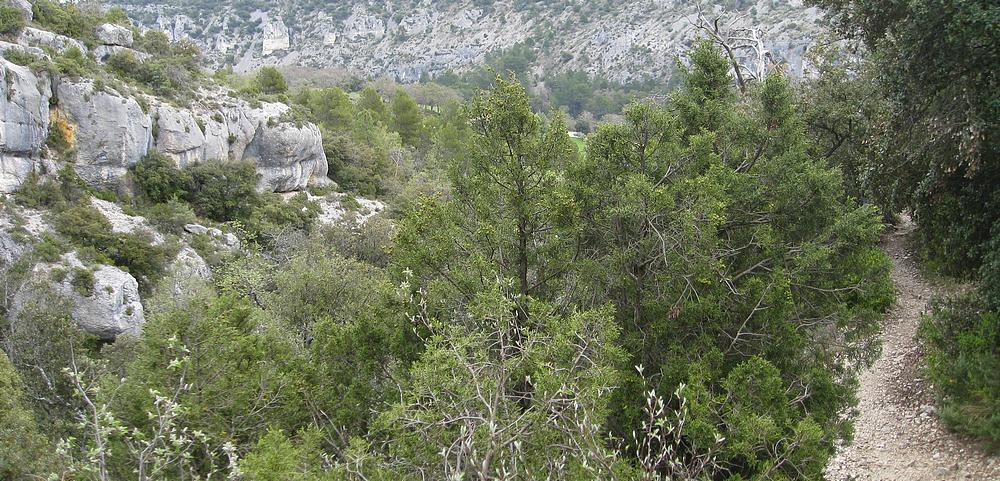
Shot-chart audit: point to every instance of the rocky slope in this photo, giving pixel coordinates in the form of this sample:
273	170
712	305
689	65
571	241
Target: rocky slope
104	127
110	128
406	39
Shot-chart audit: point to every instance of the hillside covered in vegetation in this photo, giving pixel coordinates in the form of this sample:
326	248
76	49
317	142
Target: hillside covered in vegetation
225	275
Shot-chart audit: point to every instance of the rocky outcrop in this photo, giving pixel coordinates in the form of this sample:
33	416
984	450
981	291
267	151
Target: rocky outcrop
111	34
103	52
338	209
42	38
228	240
288	156
24	122
276	37
124	223
107	308
111	131
180	136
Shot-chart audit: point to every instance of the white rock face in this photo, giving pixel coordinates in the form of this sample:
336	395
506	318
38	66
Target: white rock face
112	308
42	38
111	131
189	264
624	41
332	210
275	36
24	122
103	52
288	156
123	223
179	135
111	34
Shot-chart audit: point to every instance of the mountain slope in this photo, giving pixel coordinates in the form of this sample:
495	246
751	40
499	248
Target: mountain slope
623	41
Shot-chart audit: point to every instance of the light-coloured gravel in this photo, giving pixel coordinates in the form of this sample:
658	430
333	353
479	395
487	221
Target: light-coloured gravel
898	436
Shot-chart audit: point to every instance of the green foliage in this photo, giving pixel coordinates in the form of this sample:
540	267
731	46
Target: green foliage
494	392
11	20
22	445
85	227
73	63
963	347
83	281
222	191
158	180
75	21
406	118
933	61
270	81
278	458
172	70
735	262
66	189
19	57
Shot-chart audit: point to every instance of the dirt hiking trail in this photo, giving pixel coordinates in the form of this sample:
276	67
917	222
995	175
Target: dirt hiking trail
897	435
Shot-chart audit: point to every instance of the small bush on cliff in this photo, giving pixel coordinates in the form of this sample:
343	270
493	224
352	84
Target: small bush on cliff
11	20
158	179
223	191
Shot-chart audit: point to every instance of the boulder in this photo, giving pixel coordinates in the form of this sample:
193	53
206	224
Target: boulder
5	46
112	132
196	229
289	157
124	223
24	122
41	38
110	308
179	135
111	34
103	52
187	274
189	264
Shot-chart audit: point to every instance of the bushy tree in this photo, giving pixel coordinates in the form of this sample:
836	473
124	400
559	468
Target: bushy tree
270	81
406	118
223	191
501	220
497	395
936	155
23	447
158	179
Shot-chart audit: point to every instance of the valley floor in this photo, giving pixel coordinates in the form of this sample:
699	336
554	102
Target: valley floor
897	436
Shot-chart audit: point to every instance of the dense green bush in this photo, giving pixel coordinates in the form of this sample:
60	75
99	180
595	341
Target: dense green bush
158	179
11	20
963	357
22	445
66	189
223	191
270	81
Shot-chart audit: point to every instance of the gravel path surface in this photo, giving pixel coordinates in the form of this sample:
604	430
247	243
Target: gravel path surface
897	435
